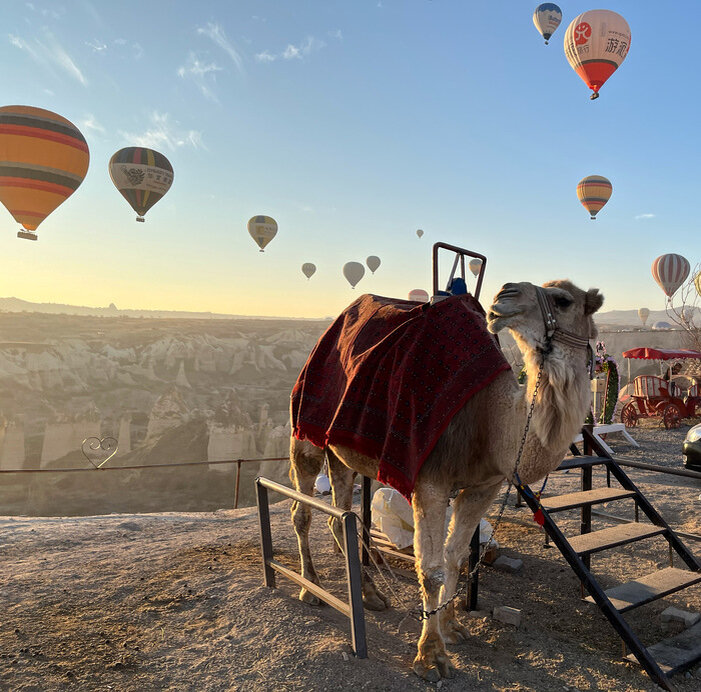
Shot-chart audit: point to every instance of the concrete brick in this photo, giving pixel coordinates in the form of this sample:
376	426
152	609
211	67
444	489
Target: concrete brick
508	615
675	615
507	564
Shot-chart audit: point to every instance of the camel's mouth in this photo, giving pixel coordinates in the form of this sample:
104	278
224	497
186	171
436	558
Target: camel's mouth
500	315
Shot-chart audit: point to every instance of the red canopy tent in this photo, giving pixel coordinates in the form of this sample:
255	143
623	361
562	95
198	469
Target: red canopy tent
661	353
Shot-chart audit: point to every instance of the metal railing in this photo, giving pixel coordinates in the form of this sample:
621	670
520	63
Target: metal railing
354	608
131	467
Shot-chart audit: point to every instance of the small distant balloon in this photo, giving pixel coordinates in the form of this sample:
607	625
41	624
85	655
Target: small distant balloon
419	295
262	229
547	18
142	175
353	271
593	192
419	233
475	266
373	263
308	269
643	314
670	272
596	43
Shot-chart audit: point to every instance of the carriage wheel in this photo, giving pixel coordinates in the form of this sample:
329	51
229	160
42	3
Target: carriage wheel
629	416
672	416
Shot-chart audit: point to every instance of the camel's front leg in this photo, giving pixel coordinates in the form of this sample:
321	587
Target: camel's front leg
341	478
468	508
429	503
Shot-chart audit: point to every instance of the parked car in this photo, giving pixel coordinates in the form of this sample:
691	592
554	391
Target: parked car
691	449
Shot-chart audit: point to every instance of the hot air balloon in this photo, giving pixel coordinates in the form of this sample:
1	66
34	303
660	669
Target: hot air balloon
262	229
697	283
547	18
373	263
353	271
643	314
596	43
142	175
308	269
419	295
43	160
593	192
419	233
670	272
475	266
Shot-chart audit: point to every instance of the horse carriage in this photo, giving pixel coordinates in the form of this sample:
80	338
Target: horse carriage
652	396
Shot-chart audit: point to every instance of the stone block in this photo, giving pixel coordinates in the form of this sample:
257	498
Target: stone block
683	617
508	615
507	564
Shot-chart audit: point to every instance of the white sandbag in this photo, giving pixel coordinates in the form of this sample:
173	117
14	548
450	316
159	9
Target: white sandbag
392	514
322	484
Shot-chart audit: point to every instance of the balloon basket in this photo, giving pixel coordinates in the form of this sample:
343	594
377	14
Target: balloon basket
140	219
594	96
27	235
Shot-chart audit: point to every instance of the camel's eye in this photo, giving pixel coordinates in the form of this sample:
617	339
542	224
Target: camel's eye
563	302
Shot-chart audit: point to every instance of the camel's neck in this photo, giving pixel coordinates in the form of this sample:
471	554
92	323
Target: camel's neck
562	402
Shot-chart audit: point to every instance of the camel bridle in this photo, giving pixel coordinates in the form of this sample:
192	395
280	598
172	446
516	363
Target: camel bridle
553	332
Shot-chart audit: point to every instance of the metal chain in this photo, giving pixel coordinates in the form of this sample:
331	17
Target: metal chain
426	614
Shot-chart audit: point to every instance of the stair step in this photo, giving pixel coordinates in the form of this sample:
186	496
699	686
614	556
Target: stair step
580	462
649	588
676	654
613	536
558	503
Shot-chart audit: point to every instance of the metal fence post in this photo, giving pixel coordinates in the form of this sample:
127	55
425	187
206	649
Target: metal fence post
266	539
355	590
366	515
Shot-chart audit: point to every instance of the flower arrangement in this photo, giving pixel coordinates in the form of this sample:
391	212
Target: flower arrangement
606	363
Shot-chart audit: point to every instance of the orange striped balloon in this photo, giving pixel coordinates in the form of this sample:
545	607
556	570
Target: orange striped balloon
43	160
593	192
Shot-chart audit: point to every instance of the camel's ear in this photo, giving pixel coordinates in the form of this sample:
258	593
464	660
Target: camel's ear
593	301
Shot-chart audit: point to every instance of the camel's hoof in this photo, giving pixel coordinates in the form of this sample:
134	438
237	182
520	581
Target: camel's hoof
308	597
374	600
453	632
443	668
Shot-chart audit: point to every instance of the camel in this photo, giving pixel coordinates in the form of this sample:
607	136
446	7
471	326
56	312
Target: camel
476	453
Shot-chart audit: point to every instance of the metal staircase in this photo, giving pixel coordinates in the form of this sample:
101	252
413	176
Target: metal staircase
661	660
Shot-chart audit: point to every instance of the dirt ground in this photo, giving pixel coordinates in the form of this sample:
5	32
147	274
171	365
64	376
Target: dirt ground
175	601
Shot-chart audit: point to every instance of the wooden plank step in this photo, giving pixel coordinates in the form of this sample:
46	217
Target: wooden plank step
581	461
558	503
649	588
678	653
613	536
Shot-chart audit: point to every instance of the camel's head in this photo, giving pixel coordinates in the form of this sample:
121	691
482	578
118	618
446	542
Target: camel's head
517	308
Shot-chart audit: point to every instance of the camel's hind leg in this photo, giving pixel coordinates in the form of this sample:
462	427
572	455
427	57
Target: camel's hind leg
341	479
468	508
429	503
305	463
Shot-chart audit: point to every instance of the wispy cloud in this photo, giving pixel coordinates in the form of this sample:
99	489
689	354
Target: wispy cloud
292	51
337	34
134	48
265	56
644	216
164	133
89	122
216	33
49	52
96	45
203	74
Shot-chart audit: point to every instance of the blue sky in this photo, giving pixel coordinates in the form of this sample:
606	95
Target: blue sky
353	124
